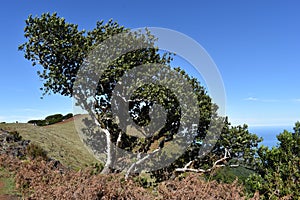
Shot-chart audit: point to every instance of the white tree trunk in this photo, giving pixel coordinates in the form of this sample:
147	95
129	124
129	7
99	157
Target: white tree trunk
109	155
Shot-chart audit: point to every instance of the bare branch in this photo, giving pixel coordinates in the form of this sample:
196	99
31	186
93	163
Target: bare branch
215	165
119	139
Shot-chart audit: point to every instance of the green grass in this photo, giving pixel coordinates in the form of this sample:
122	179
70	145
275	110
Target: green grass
60	141
9	184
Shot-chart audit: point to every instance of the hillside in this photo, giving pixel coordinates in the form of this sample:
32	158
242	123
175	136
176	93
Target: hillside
60	140
36	178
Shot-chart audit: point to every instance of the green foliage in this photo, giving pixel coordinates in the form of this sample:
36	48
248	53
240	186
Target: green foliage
41	123
229	174
67	116
56	45
52	119
60	48
33	121
96	168
241	144
35	151
38	122
278	172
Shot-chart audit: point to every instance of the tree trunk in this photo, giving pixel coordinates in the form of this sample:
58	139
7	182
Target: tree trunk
109	156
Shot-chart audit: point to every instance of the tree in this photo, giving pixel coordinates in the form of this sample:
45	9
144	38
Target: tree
68	56
278	173
52	119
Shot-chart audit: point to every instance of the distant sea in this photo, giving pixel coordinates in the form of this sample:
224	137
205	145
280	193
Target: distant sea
268	133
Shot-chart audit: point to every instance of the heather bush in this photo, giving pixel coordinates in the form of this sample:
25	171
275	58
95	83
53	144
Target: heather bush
194	186
35	151
16	136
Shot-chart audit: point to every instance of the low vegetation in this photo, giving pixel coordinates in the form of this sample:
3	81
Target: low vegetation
38	178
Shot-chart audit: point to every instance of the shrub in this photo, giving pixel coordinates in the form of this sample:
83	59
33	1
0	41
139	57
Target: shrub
38	122
230	174
34	151
42	123
52	119
96	168
278	173
67	116
32	121
16	136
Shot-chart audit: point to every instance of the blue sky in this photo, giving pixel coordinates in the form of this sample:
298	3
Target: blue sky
255	45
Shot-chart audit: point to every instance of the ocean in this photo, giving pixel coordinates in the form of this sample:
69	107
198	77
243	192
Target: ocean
268	133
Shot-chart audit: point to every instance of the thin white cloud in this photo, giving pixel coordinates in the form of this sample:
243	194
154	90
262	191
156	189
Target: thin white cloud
261	100
251	99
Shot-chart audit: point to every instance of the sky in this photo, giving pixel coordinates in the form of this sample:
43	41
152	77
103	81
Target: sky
254	44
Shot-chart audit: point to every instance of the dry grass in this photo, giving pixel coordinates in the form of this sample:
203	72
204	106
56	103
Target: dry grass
36	179
61	141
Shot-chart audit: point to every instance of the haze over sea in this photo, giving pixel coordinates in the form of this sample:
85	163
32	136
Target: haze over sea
269	133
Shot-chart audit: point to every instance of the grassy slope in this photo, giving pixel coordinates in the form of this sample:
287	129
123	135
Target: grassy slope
61	141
